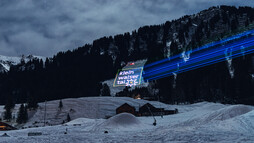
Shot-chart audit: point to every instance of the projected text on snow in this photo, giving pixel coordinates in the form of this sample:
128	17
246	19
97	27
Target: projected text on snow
128	77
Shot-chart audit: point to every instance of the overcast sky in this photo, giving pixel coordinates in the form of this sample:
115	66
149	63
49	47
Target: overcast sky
45	27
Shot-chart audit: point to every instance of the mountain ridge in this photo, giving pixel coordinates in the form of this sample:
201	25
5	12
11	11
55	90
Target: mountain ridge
7	61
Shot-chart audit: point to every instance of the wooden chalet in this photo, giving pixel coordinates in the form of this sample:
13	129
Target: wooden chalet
126	108
149	110
145	110
5	127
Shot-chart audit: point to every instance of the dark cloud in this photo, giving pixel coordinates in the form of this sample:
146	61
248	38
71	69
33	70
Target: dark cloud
44	27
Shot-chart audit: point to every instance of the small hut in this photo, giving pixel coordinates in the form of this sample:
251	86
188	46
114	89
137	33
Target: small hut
149	110
5	127
126	108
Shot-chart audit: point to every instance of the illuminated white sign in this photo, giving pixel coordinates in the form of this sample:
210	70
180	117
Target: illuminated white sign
128	77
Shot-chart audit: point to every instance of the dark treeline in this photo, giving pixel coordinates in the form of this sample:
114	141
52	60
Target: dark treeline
212	83
79	73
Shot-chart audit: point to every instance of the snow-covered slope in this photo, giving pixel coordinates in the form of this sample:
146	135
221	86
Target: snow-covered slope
123	121
200	122
85	107
7	61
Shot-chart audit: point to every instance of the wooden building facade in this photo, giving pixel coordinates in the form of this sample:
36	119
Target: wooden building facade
145	110
149	110
126	108
5	127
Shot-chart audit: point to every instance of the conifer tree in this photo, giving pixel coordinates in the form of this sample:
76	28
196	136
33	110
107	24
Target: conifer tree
126	92
60	106
22	115
7	114
247	23
105	90
9	104
25	114
68	118
32	103
8	107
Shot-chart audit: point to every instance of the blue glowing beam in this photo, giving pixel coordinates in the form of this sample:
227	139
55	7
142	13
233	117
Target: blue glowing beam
205	56
203	47
202	58
196	57
206	59
199	56
250	51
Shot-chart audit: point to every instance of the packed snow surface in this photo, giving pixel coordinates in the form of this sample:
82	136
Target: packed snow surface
123	122
123	119
199	122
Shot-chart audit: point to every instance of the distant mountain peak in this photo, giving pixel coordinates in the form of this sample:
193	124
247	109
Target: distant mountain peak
7	61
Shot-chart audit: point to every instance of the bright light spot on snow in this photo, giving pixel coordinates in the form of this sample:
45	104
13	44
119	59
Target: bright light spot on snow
185	56
168	44
228	56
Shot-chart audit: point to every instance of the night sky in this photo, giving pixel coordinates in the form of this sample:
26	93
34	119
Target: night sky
45	27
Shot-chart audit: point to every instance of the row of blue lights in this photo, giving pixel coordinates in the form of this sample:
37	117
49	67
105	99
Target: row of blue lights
204	47
197	56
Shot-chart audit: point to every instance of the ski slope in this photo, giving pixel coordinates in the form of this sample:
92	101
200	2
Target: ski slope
200	122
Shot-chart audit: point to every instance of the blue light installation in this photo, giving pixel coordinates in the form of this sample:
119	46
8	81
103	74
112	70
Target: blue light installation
201	64
197	55
228	48
205	46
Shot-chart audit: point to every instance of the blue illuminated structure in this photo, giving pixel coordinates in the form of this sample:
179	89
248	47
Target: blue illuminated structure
212	53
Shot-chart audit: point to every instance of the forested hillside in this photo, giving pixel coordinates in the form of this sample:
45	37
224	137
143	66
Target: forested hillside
79	73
